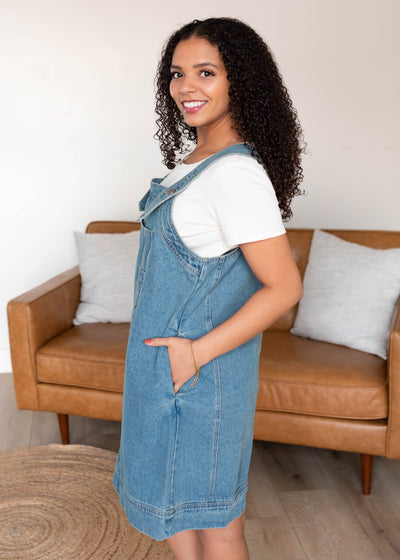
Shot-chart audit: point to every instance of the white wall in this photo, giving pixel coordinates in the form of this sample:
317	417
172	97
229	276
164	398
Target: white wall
76	116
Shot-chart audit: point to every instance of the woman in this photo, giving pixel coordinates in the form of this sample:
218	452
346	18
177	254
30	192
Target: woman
214	270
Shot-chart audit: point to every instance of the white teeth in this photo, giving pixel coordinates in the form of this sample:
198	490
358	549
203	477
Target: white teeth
191	104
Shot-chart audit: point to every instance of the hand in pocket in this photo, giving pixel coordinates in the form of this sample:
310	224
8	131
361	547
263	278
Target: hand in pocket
180	358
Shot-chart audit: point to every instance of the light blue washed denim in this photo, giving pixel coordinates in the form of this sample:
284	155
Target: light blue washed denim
184	458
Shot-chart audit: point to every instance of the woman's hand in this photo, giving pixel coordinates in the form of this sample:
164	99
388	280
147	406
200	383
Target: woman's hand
180	358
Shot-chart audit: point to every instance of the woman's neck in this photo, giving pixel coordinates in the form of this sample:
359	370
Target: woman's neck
207	145
213	138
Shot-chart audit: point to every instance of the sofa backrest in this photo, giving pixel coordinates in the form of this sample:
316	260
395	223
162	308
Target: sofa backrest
112	227
300	242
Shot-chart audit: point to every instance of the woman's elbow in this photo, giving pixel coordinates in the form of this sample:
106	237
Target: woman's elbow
294	292
299	291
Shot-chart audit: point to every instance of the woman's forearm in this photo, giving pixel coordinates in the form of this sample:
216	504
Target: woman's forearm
260	311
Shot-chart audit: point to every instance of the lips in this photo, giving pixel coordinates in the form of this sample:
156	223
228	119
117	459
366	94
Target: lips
193	106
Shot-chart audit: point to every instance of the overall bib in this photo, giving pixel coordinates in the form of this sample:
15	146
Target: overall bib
184	458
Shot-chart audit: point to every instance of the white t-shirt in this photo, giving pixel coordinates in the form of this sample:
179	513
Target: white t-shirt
231	202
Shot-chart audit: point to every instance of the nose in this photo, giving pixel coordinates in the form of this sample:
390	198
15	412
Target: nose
187	84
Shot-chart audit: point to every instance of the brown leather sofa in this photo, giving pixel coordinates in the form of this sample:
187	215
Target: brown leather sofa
310	393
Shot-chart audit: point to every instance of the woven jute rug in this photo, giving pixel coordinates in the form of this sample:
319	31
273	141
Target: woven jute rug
57	502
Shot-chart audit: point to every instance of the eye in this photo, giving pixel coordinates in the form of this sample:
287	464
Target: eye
206	73
175	75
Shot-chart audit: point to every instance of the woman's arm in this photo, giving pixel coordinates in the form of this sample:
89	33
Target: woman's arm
273	265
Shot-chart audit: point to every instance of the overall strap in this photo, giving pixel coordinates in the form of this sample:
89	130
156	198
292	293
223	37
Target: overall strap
167	193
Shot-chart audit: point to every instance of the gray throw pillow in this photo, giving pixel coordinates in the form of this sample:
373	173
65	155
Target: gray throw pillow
350	294
107	264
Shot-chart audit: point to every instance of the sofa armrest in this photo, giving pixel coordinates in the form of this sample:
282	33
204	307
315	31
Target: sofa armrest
33	319
393	438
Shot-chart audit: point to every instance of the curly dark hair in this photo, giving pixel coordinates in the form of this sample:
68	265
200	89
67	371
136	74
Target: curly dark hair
259	102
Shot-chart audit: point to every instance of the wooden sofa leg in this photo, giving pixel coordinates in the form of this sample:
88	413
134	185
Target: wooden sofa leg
64	428
366	472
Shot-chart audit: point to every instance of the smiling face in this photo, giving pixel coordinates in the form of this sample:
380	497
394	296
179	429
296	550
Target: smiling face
199	85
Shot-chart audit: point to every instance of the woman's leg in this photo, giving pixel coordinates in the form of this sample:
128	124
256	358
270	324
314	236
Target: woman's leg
186	545
228	543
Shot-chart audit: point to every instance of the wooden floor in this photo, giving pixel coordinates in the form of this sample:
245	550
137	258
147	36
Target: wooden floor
303	503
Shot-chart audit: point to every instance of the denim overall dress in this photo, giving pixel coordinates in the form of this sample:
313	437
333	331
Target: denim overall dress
184	458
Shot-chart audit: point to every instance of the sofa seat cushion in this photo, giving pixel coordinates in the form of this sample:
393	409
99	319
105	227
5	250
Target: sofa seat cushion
91	355
320	379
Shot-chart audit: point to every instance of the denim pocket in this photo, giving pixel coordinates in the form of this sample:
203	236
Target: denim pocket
168	373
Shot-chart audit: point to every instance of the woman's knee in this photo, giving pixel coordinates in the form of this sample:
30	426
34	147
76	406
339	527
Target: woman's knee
225	536
186	545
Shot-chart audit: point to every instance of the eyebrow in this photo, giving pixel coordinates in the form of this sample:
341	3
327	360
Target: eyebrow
195	66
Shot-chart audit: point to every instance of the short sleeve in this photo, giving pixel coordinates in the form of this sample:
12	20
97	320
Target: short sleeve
244	202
